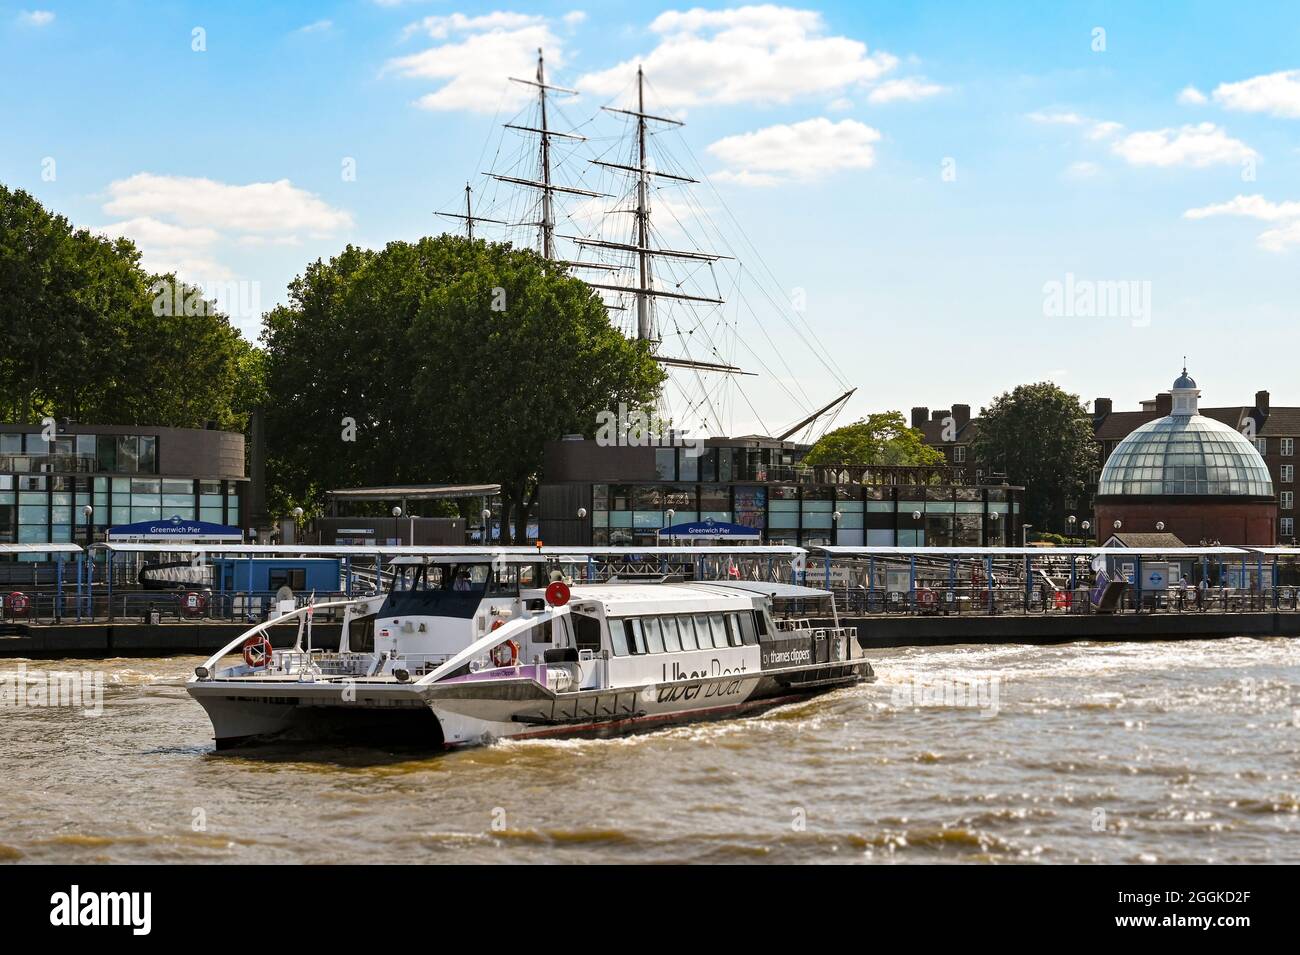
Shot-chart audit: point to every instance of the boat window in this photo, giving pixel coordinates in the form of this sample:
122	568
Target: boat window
635	638
654	640
748	636
760	619
686	627
504	582
733	629
586	631
618	636
719	629
671	641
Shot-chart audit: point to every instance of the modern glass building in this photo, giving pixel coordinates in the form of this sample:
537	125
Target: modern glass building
72	482
617	495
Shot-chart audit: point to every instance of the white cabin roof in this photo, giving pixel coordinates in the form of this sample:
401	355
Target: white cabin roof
631	599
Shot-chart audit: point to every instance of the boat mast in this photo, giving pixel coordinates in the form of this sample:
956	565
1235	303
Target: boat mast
643	329
468	215
548	221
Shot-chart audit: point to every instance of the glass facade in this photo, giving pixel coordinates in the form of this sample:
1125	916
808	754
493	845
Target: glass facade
46	486
629	515
1185	454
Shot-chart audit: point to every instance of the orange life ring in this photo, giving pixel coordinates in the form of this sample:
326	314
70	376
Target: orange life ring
19	603
506	654
258	652
498	623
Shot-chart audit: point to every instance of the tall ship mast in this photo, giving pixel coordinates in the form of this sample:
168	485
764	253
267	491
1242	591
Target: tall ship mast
588	200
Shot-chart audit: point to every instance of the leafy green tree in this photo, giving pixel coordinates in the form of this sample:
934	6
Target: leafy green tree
1042	436
436	361
80	335
881	438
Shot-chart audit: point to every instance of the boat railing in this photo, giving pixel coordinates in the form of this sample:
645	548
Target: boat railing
206	670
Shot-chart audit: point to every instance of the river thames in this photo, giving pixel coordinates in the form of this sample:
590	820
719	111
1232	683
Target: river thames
1130	753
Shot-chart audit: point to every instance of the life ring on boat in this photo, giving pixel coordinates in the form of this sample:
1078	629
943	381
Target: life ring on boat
926	598
193	604
19	604
498	623
505	654
557	593
258	651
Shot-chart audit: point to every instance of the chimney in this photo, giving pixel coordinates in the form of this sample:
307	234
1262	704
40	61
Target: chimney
1261	402
938	414
1164	404
1101	407
961	415
919	417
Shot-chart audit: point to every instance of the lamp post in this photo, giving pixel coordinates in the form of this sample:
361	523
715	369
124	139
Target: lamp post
835	527
1070	522
1160	525
1118	524
993	529
1024	534
90	527
1086	526
486	514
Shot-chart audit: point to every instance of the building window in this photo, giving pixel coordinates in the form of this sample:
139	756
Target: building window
959	454
1288	527
1261	445
1288	447
666	464
1288	500
1288	473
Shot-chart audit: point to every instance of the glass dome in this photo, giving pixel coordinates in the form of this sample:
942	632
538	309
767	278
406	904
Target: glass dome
1186	454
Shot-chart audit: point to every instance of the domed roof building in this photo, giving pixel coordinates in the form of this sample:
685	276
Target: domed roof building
1188	475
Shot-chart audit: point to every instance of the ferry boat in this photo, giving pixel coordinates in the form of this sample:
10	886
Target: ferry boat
468	649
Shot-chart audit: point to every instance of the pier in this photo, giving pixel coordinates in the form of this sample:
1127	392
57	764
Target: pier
85	604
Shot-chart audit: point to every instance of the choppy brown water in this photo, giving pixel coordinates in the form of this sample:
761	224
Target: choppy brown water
1189	750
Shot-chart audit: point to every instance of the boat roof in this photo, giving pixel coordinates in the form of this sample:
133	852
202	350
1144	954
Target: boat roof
768	588
659	598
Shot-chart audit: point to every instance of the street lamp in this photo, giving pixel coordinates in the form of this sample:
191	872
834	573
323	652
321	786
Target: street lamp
1070	521
1024	534
1118	524
993	527
1086	526
1160	525
582	512
90	528
486	514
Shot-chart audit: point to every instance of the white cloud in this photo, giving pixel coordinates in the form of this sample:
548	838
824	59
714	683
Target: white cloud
1286	214
1081	170
36	18
180	224
1275	93
165	247
805	150
751	54
840	104
905	90
320	26
574	17
1200	145
1104	129
1059	119
271	207
479	55
1191	96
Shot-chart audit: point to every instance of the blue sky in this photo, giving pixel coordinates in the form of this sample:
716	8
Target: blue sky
920	173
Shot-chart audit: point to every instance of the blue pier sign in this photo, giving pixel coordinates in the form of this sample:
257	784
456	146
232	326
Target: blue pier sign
711	530
175	528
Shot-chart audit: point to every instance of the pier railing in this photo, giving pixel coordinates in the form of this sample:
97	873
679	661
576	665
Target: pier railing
1014	600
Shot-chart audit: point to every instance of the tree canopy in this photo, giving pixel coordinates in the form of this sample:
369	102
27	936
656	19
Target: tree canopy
81	335
1043	438
439	360
881	438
